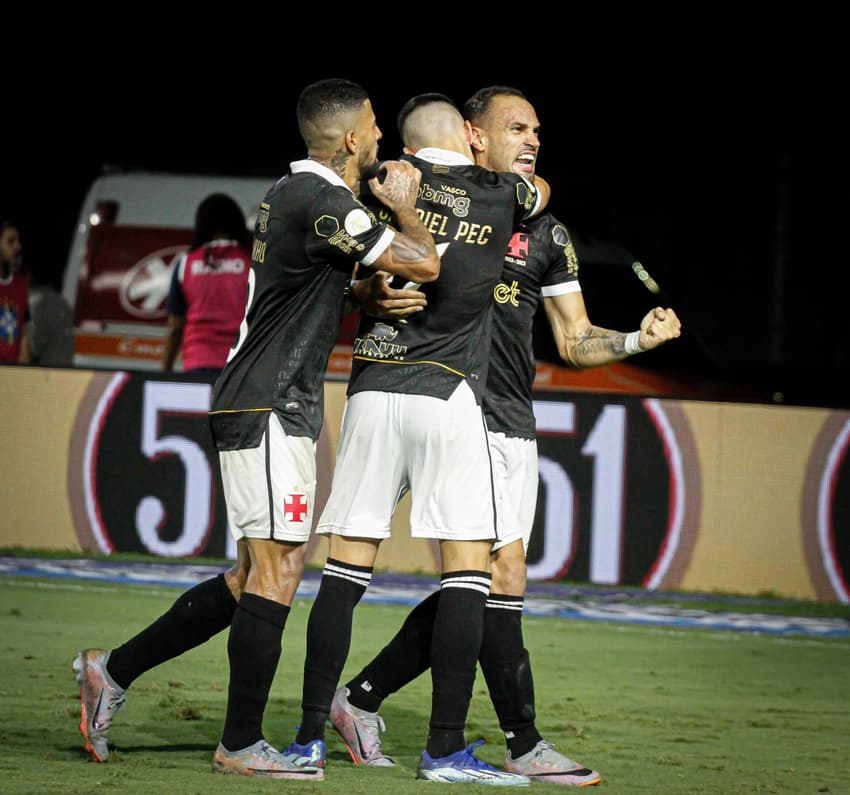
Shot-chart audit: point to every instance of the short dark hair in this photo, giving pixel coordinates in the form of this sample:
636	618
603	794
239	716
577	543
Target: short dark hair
478	105
417	102
328	97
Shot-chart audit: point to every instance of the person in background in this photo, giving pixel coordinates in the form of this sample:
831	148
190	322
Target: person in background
50	329
14	297
209	288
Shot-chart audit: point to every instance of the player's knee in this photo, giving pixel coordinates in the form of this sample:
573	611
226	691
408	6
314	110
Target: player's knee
235	579
292	562
509	574
237	575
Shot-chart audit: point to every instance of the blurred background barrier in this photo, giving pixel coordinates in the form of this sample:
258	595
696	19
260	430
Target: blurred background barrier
657	493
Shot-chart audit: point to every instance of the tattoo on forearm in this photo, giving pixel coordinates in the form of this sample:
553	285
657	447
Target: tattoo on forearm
402	252
411	225
600	340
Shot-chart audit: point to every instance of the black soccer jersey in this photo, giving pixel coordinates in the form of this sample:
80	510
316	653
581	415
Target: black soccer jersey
310	232
471	212
539	260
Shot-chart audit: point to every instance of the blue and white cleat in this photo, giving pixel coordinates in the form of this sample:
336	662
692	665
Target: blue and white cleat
310	754
463	767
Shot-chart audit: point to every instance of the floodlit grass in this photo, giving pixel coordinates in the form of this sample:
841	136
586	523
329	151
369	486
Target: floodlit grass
668	712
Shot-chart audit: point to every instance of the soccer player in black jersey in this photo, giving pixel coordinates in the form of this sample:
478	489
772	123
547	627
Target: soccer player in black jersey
413	421
266	415
540	262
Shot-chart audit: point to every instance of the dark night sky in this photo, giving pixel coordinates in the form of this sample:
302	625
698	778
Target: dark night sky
711	146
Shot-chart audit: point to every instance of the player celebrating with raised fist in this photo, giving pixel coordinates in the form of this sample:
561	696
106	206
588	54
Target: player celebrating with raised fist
541	262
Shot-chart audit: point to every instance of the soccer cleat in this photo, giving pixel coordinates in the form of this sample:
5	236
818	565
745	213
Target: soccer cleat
310	754
100	699
464	768
360	731
260	759
543	763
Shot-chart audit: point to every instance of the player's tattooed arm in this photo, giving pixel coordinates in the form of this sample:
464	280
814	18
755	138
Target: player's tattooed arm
412	253
595	346
582	344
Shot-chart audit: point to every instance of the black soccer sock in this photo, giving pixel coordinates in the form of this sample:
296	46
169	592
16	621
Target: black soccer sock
507	670
328	642
456	643
404	658
197	614
253	648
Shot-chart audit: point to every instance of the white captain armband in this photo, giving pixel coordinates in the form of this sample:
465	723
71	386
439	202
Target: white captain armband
632	343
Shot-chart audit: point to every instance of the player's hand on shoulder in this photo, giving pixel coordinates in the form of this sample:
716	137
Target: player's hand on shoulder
397	184
659	325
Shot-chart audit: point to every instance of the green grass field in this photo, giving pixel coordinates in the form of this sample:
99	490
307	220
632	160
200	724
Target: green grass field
668	712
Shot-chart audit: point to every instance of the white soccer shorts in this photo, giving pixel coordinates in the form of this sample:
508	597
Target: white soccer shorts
270	489
391	443
515	477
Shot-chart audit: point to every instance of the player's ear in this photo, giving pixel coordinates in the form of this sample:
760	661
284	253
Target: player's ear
474	135
351	141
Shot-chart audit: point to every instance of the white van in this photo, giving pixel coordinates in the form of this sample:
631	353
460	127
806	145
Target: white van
132	227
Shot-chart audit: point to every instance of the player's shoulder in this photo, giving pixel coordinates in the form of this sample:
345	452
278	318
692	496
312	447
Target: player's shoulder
306	191
545	221
546	226
496	178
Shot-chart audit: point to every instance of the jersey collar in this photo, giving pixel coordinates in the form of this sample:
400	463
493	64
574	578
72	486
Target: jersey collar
301	166
443	157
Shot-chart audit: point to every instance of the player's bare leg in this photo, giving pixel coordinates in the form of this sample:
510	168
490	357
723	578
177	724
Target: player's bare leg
254	648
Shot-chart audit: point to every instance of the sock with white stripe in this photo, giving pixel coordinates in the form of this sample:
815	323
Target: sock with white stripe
458	629
328	642
507	670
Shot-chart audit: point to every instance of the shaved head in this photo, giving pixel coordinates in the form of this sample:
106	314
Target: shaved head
432	120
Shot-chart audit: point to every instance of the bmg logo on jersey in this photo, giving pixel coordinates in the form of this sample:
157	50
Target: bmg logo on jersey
447	196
